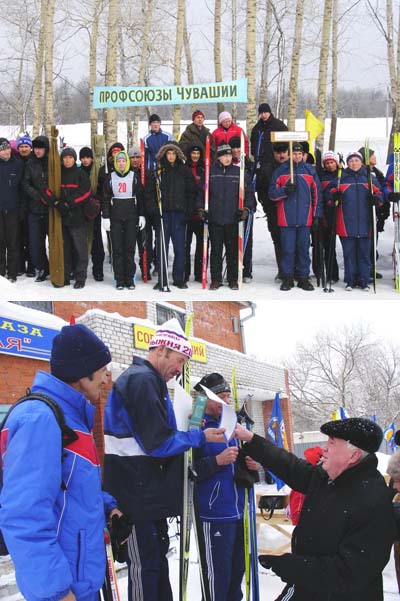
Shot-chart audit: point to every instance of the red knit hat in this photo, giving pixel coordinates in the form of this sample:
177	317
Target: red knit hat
313	455
197	113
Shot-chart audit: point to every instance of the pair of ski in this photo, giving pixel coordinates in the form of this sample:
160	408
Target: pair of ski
240	206
396	210
190	515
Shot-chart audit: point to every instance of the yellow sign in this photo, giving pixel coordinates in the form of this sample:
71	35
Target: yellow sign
143	335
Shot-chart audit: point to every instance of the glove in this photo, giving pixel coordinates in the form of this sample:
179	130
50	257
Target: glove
120	530
242	214
338	198
394	196
106	223
315	224
62	208
203	214
142	223
266	561
375	200
290	188
49	198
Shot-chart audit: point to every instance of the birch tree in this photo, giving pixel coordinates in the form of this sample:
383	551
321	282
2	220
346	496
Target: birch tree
334	80
323	67
265	52
251	111
234	51
294	71
93	37
48	66
110	115
180	20
217	48
144	54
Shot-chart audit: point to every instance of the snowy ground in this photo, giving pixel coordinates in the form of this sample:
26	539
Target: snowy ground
262	287
270	584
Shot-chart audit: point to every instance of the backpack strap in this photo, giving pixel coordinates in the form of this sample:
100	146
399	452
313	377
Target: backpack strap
68	435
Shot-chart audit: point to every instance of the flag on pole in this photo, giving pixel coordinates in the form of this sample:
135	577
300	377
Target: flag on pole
388	435
314	126
335	415
276	432
343	413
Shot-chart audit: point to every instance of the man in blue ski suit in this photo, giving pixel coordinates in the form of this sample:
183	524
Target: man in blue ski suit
221	497
154	140
299	208
353	223
143	458
53	511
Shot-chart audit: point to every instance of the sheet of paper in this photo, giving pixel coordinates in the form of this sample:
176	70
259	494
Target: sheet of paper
228	415
182	407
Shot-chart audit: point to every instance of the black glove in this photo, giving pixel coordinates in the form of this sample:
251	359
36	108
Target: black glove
375	200
62	208
337	198
242	214
203	214
315	224
120	530
394	196
266	561
49	198
290	188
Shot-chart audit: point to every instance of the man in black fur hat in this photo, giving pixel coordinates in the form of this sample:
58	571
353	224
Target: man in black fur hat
346	528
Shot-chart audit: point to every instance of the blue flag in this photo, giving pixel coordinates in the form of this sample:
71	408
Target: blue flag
276	432
388	435
343	413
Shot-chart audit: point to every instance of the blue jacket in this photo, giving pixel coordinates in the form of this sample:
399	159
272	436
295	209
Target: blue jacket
224	193
152	144
219	498
52	510
354	212
143	449
305	203
11	172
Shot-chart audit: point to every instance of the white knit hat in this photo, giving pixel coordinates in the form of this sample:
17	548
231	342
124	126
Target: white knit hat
224	115
170	334
329	155
354	154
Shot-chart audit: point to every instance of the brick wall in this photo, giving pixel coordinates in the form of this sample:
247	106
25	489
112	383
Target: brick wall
65	309
214	322
16	374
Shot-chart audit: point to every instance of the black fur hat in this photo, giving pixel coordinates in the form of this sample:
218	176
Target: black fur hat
214	382
359	431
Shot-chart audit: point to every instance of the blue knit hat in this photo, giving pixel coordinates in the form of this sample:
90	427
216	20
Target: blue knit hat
76	353
24	139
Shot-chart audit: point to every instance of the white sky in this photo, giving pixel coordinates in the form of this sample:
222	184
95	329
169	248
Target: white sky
279	325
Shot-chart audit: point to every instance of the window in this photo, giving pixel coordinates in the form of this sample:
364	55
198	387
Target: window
164	313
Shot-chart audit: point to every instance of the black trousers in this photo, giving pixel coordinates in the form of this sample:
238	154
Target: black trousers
75	252
123	240
196	228
97	248
38	230
25	264
224	236
9	244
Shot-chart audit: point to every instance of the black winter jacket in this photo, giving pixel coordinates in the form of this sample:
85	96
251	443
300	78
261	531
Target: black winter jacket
10	179
345	532
178	189
35	184
75	192
224	194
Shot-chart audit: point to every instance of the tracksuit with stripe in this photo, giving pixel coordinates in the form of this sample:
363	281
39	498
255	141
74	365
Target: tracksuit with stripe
221	503
143	470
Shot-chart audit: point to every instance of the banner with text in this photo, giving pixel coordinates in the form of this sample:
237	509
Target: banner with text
122	96
143	335
24	339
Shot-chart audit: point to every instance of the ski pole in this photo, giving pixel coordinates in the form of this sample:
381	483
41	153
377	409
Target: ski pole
111	577
205	226
163	252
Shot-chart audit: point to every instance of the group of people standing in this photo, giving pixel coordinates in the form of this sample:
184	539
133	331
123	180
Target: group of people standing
53	510
155	196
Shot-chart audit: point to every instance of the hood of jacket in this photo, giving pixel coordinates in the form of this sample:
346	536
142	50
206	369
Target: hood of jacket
162	153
